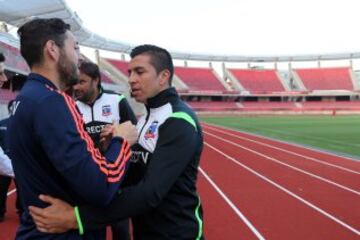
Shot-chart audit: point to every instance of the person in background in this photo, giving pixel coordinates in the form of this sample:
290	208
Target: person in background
98	109
3	77
8	174
6	171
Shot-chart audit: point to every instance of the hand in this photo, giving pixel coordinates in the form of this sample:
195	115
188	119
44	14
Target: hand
127	131
59	217
106	135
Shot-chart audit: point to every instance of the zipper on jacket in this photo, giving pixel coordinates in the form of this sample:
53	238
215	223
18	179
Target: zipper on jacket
92	112
146	121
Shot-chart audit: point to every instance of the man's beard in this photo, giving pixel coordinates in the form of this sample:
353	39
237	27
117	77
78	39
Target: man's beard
87	96
68	71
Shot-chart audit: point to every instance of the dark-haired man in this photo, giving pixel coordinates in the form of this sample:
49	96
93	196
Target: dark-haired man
49	148
98	109
97	106
164	204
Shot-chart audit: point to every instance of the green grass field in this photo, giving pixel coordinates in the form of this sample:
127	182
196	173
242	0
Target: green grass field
339	134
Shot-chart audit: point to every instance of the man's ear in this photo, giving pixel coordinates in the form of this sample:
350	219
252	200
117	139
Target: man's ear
51	50
97	80
164	77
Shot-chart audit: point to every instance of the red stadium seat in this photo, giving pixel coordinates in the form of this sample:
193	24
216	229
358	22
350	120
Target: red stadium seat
326	78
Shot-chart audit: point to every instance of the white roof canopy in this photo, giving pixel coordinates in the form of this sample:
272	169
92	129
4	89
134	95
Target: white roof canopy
18	12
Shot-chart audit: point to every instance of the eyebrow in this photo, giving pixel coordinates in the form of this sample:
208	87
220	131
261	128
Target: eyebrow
135	69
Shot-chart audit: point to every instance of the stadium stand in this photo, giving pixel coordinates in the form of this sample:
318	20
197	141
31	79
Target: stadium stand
268	106
200	79
259	80
328	105
214	106
14	60
122	66
326	78
105	78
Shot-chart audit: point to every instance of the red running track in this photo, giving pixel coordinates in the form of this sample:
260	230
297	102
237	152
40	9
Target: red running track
257	188
285	191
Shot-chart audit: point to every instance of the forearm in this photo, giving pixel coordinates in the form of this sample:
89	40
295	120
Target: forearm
131	201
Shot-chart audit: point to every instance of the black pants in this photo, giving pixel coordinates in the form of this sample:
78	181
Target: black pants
4	188
120	230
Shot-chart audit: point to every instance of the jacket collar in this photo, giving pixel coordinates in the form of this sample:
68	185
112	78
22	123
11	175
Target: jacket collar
42	79
166	96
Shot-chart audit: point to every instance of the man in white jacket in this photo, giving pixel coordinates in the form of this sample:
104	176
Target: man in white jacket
5	163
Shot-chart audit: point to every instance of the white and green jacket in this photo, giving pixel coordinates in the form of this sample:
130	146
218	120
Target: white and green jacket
163	200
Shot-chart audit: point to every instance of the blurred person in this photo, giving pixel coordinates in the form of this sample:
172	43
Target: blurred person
6	170
98	109
5	163
3	77
50	150
164	203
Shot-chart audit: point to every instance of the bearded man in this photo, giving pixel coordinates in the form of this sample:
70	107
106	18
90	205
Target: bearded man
49	147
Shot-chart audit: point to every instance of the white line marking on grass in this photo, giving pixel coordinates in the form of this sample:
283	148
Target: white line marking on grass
287	165
287	191
286	151
232	205
11	192
299	145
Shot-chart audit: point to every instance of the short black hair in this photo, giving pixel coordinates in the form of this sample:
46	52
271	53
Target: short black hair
2	57
160	58
34	35
92	70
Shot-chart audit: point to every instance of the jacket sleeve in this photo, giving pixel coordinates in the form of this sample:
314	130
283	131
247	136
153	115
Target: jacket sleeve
176	147
5	165
69	148
125	111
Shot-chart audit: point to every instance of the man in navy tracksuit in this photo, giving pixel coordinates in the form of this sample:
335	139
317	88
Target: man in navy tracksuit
50	150
163	203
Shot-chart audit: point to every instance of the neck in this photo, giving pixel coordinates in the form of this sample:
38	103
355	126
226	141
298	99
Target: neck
93	97
50	74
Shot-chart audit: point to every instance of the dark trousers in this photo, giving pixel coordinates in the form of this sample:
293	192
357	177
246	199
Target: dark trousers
120	230
4	188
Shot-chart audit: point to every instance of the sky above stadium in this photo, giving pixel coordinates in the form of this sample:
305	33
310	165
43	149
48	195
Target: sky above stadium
241	27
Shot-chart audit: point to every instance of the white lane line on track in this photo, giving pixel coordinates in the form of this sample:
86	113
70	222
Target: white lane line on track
232	205
286	151
352	229
287	165
11	192
318	150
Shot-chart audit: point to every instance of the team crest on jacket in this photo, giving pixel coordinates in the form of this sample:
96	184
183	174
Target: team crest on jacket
150	133
106	110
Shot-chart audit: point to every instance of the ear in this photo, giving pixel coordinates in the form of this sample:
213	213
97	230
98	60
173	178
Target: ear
96	80
164	77
51	50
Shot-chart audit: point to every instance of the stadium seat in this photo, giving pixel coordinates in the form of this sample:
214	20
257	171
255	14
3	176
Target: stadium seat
326	78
